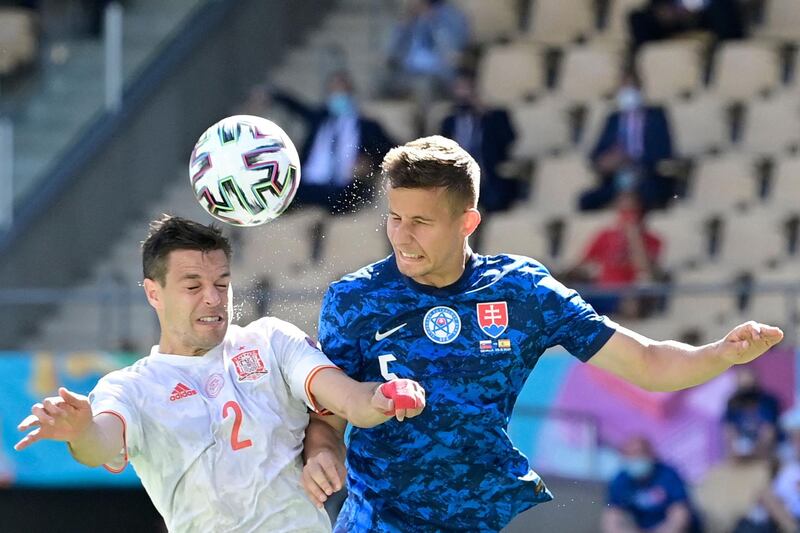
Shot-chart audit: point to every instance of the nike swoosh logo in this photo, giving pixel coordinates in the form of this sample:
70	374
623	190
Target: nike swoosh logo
380	336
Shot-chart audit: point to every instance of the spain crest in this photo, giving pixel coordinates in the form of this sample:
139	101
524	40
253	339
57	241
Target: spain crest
249	366
493	318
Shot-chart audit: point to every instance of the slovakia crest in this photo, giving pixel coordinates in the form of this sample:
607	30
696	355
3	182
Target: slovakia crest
249	366
493	318
442	325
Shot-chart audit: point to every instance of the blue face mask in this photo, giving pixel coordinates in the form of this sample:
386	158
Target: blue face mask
629	98
638	467
340	104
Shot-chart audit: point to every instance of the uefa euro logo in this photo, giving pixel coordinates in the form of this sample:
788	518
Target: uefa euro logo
442	325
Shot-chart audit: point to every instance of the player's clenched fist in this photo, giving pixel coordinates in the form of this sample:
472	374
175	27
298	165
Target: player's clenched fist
64	418
401	398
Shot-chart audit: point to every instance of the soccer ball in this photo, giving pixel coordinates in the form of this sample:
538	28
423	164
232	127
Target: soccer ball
244	170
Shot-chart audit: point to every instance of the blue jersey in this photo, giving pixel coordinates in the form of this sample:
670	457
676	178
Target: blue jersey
471	345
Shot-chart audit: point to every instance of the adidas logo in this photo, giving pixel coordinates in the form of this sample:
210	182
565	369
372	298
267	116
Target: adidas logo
181	391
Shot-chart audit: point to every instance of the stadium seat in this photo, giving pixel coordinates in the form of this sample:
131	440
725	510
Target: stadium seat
784	191
579	230
491	21
352	241
705	309
589	73
519	231
744	69
397	116
782	21
670	68
683	239
280	246
558	182
594	120
699	125
18	39
558	22
772	126
511	73
750	240
720	184
615	28
435	114
542	127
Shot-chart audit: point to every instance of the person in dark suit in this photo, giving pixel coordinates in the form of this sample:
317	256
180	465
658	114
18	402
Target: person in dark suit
487	134
341	153
634	140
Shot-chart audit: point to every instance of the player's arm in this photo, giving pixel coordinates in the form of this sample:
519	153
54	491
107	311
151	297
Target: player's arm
367	404
616	520
323	457
671	365
677	521
92	440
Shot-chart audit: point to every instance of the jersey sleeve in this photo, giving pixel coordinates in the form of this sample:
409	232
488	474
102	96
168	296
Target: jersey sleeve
299	358
571	322
336	332
113	395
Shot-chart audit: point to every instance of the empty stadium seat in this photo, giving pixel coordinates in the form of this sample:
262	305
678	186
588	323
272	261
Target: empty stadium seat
720	184
750	240
18	39
615	28
558	22
352	241
670	68
682	235
589	73
542	127
744	69
782	20
772	126
594	120
397	116
519	231
558	182
699	125
493	20
784	191
511	73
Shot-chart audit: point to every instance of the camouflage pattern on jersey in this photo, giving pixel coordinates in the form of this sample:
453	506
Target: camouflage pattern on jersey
471	345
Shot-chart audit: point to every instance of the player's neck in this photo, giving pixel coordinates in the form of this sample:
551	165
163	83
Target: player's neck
448	276
167	347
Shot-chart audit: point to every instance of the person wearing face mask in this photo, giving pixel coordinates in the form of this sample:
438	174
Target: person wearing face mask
342	150
487	135
634	141
620	255
647	495
751	417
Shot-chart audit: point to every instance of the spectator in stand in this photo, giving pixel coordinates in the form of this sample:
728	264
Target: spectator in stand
751	417
647	495
664	19
618	256
787	483
634	141
487	134
426	49
340	155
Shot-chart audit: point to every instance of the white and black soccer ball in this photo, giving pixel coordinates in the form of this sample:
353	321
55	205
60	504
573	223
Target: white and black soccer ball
244	170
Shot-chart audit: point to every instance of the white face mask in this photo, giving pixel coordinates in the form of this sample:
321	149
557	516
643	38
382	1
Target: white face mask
629	98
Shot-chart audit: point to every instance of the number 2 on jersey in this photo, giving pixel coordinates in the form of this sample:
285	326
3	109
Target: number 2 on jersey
236	444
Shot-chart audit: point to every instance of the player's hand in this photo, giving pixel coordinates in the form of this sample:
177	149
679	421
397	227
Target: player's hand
748	341
401	398
323	474
64	418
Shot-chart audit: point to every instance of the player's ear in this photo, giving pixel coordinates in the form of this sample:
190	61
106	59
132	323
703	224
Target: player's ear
472	219
152	290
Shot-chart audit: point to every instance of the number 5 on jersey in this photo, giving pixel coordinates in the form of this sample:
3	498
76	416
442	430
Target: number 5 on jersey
236	444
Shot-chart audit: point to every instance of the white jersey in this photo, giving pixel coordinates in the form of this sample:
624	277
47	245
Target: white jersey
217	439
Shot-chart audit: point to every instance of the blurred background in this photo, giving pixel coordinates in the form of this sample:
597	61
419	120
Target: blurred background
645	151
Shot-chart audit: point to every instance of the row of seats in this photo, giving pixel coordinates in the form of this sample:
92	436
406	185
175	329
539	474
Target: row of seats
558	22
739	70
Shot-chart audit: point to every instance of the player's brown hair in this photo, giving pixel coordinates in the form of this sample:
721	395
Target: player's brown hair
435	162
170	233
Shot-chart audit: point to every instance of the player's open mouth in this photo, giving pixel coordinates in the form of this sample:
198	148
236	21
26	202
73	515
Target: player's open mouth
412	257
210	319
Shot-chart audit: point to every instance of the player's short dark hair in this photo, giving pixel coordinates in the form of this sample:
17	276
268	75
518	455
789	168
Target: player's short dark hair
432	162
170	233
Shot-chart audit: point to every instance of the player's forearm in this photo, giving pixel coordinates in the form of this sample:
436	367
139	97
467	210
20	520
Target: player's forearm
324	436
100	443
672	365
357	406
